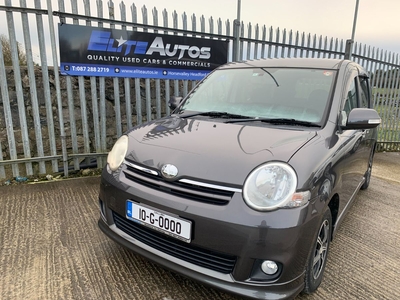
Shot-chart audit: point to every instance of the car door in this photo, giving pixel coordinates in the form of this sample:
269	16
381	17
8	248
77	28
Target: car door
355	143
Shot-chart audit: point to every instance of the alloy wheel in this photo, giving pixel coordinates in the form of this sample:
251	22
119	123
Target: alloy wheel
321	249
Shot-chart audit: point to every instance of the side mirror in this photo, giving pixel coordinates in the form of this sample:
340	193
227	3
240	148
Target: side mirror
362	118
174	102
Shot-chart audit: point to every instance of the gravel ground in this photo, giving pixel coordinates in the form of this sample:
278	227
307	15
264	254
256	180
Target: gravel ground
51	248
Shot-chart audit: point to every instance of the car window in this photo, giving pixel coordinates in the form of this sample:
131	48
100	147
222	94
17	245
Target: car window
364	92
351	98
289	93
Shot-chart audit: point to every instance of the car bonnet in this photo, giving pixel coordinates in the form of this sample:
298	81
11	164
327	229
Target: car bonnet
213	151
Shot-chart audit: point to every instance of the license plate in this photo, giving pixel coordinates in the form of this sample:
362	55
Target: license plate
160	221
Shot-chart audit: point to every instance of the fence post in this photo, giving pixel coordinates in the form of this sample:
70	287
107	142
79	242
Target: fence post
349	46
236	35
58	88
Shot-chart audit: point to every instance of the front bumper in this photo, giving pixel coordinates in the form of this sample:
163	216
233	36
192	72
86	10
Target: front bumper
221	232
226	283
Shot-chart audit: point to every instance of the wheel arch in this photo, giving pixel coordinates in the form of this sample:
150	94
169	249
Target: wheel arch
334	208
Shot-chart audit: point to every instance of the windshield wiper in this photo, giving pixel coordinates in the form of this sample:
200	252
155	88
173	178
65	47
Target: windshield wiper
283	121
214	114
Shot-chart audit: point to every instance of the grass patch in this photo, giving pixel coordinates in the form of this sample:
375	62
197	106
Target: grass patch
388	135
383	91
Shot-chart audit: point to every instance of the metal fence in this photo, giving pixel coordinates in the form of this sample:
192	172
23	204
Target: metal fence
51	123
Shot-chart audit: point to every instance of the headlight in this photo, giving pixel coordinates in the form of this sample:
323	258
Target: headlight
271	186
117	154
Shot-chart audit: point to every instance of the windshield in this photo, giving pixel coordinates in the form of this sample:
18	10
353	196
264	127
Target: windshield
287	93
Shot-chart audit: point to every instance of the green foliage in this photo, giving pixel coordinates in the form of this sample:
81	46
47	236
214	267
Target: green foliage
386	78
7	52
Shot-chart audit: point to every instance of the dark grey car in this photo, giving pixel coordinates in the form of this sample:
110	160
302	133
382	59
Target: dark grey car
244	185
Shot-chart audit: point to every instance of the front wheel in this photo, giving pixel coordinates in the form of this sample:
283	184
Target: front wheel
317	260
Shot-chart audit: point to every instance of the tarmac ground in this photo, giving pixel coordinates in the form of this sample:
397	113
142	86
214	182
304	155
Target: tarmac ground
51	247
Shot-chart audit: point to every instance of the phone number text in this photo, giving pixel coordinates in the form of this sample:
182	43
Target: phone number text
90	69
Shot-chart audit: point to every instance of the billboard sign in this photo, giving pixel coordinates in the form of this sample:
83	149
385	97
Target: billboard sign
93	51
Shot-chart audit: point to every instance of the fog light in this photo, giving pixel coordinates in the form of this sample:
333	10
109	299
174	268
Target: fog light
269	267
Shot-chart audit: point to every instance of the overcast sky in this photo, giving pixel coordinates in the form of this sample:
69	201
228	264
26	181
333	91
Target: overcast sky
378	22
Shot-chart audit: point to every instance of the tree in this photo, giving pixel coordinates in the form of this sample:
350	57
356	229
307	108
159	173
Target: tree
5	43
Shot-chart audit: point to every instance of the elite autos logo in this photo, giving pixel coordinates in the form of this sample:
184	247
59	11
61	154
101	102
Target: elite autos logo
91	51
102	41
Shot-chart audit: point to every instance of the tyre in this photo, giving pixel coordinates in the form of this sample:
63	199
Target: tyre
368	173
319	254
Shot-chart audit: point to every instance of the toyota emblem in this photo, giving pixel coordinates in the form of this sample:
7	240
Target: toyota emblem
169	171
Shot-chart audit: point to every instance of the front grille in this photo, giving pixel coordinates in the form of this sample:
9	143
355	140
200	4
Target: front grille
201	257
185	190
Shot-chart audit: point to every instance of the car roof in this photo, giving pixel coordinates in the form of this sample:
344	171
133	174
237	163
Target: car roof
318	63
